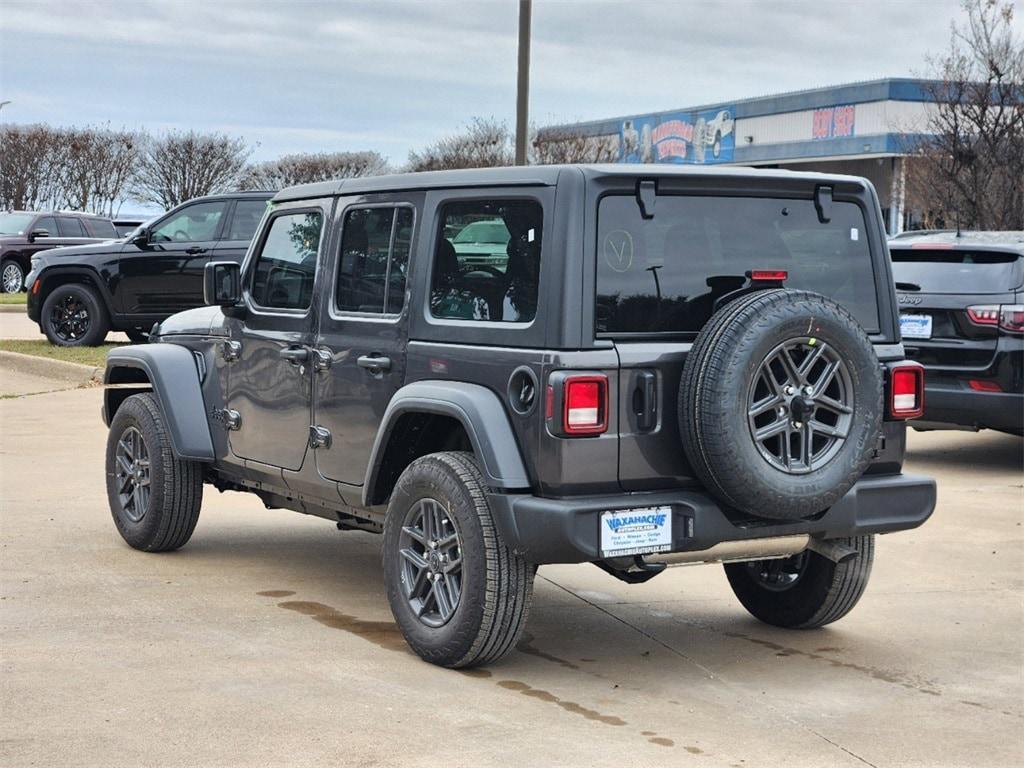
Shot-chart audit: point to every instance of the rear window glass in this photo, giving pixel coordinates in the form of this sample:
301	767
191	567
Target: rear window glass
664	275
69	227
955	270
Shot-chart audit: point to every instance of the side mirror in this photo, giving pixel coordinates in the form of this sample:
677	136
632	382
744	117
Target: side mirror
222	284
37	233
141	236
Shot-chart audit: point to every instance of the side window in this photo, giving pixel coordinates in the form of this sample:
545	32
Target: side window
248	214
101	228
69	226
48	223
374	260
487	263
286	265
193	224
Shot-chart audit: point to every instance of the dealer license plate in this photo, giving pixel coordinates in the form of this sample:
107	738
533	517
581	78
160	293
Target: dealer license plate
916	326
636	531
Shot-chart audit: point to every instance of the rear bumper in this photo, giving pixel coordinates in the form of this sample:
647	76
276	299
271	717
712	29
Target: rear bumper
568	530
959	405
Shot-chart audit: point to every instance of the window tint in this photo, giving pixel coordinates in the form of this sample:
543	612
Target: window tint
48	223
194	224
101	228
487	263
286	265
69	226
248	214
374	260
665	274
955	270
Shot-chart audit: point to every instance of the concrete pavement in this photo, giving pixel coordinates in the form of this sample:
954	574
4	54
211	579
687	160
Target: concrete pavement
267	640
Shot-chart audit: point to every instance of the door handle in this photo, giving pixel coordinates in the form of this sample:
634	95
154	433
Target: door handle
295	355
195	251
374	363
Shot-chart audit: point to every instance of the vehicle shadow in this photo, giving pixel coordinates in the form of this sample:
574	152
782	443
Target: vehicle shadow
982	451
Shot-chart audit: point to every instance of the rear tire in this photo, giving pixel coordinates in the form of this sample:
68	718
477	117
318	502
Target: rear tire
485	588
74	316
804	591
154	497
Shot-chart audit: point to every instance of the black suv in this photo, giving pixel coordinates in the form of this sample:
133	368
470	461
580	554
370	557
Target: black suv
78	295
961	300
649	367
26	233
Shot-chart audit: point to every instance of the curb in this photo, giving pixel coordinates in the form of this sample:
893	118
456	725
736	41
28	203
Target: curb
13	308
51	369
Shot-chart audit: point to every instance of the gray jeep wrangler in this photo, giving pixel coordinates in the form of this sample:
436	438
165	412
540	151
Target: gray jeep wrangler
631	366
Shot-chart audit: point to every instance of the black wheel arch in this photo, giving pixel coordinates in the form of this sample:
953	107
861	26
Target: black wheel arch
54	277
461	416
171	372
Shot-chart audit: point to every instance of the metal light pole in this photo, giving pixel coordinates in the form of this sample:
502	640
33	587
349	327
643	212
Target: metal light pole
523	84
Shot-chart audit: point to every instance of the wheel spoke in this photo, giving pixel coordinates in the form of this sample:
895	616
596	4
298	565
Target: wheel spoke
123	463
447	542
415	534
413	557
444	602
771	430
805	444
817	427
832	405
792	375
810	361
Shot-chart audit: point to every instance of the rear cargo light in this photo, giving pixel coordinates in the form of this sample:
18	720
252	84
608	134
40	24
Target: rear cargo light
980	385
774	275
906	390
585	405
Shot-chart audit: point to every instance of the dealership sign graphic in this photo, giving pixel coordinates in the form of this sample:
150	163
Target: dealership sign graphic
833	122
684	137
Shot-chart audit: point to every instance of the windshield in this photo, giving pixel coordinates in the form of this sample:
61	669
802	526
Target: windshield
955	270
666	274
489	232
15	223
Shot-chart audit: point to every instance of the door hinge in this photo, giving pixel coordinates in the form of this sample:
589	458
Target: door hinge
232	350
322	359
319	437
227	418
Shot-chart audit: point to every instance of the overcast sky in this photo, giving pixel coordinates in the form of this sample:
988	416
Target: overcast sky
393	76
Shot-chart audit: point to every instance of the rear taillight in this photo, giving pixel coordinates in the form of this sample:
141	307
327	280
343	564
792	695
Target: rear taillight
585	405
1009	317
769	275
906	390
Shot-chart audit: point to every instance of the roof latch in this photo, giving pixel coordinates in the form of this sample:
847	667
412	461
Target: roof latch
646	194
823	203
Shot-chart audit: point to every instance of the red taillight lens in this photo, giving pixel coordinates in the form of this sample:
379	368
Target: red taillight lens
586	405
980	385
906	386
1011	318
987	314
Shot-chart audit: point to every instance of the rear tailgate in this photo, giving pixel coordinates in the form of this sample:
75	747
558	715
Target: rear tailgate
936	286
658	280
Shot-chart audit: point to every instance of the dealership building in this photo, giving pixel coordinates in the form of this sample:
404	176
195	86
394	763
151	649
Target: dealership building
864	129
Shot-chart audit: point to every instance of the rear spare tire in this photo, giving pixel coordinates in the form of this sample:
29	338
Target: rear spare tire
780	404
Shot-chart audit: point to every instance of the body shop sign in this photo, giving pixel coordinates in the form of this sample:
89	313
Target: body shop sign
684	137
833	122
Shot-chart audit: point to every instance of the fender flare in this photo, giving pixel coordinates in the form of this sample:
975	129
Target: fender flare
481	414
171	370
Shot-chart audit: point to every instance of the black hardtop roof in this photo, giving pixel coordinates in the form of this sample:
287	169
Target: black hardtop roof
991	241
537	176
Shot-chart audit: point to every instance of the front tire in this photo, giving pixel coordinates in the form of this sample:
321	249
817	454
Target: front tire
458	593
154	497
12	276
73	316
805	591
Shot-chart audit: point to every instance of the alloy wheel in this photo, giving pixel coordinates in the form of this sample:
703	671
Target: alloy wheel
133	474
800	405
13	279
69	318
431	562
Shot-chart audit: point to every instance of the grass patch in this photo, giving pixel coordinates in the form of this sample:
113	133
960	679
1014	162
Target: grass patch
20	298
94	356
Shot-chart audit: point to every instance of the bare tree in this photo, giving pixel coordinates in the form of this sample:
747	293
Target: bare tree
27	166
553	146
304	168
483	144
970	167
179	166
94	168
